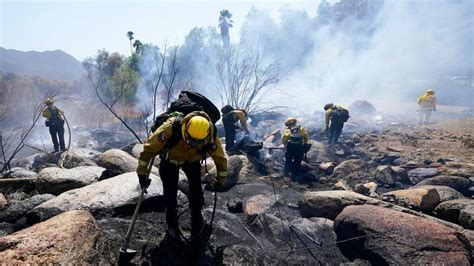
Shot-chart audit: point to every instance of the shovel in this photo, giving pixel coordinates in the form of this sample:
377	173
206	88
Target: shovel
126	254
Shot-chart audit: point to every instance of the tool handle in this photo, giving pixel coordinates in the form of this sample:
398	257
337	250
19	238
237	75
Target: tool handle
134	220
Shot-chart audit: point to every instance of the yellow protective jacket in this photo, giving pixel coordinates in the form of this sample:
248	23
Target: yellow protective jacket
328	113
181	152
47	112
240	116
427	101
286	135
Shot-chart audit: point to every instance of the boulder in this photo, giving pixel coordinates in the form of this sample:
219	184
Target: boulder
113	196
137	149
327	167
329	204
70	238
18	208
117	162
458	169
18	172
460	184
235	206
80	157
419	174
420	198
351	171
459	211
362	108
3	202
392	238
317	153
389	176
37	161
240	169
445	193
55	180
257	204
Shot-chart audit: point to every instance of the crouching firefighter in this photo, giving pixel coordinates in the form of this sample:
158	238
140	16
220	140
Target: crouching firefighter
335	117
55	123
295	139
182	142
230	117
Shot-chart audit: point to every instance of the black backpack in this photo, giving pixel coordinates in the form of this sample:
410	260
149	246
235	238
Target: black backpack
186	103
295	136
339	115
227	109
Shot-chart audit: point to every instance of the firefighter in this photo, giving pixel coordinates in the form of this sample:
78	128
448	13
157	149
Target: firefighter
229	118
195	138
335	117
427	104
55	122
293	138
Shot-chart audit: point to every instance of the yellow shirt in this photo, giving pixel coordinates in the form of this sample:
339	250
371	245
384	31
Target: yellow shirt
286	135
328	114
47	112
181	152
427	101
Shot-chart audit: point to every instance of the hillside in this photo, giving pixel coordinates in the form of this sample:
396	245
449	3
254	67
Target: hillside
53	65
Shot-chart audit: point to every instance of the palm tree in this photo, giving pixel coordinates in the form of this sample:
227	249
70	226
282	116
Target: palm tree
138	46
224	24
130	38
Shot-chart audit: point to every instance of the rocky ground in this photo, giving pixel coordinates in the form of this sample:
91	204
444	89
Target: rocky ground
392	192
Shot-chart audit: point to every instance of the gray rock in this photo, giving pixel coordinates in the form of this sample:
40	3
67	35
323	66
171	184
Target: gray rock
458	169
257	204
387	175
459	211
113	196
137	149
445	193
18	208
351	171
3	202
235	206
317	154
460	184
80	157
117	162
419	174
56	180
18	172
392	240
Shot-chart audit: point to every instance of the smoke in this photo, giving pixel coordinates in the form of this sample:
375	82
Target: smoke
407	47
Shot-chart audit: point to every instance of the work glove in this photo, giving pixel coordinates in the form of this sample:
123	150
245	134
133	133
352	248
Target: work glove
144	182
219	182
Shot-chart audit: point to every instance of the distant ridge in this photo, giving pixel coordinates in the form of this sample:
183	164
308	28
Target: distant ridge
53	65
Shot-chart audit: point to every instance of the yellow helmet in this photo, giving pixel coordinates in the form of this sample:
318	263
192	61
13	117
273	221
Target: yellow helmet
49	101
430	91
198	127
290	121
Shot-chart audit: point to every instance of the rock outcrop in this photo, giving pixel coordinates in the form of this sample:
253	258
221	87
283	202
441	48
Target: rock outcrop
70	238
398	238
460	211
54	180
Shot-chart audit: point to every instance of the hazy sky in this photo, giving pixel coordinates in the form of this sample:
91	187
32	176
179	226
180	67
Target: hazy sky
82	27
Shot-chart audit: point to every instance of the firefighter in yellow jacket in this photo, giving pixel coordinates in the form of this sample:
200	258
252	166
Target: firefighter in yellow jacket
195	138
427	104
293	138
55	122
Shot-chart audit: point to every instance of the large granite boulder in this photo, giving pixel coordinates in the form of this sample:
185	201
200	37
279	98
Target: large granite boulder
56	180
80	157
117	162
329	204
396	238
420	198
317	153
460	184
71	238
460	211
257	204
419	174
18	172
113	196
